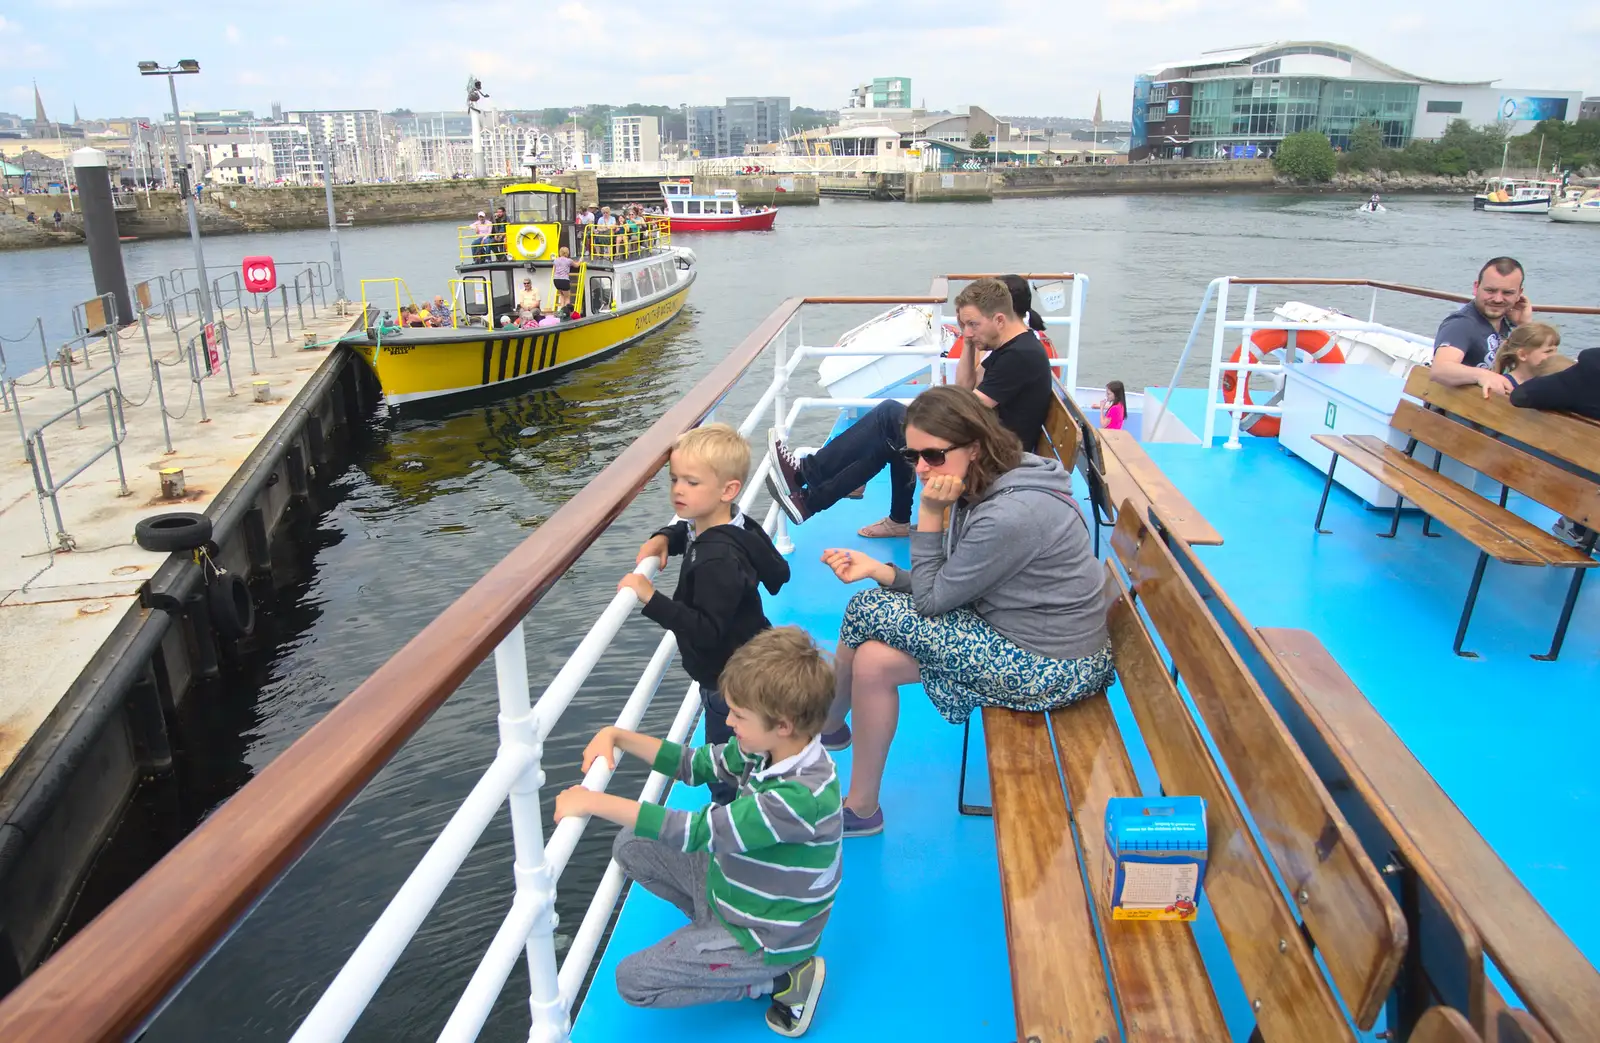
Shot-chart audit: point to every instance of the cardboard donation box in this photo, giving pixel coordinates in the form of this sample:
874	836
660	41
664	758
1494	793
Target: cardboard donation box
1156	857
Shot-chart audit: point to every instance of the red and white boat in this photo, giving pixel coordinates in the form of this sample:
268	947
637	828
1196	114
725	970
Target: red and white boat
718	212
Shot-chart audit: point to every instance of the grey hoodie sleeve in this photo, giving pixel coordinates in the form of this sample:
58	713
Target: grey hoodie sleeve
988	554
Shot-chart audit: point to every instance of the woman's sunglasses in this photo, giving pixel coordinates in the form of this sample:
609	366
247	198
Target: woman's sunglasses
934	457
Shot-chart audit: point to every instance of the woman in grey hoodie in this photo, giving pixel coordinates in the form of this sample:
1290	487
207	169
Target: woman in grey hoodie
1003	606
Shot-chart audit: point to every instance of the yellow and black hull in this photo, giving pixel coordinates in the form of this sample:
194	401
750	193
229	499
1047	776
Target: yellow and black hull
416	364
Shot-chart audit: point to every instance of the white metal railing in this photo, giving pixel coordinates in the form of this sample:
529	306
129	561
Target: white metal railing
516	773
1237	406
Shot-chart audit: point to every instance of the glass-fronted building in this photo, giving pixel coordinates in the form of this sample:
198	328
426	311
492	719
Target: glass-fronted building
1244	101
726	130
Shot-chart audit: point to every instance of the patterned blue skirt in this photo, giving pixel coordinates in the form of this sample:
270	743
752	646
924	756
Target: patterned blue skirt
965	662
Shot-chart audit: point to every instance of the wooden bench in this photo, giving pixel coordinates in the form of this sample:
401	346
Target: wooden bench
1073	968
1565	436
1495	531
1118	470
1458	897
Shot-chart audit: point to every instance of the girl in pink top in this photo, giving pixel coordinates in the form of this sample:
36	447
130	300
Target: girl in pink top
1114	407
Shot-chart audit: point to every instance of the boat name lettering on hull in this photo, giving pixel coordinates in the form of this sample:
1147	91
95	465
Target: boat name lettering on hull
402	350
654	315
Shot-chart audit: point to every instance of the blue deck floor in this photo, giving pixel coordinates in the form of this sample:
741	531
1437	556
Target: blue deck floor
916	945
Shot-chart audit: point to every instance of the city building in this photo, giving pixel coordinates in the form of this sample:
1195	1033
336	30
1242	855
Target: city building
1589	109
885	92
293	161
633	139
1244	100
725	130
221	121
237	159
353	137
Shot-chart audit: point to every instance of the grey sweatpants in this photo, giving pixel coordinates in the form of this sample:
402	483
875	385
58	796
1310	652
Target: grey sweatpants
700	962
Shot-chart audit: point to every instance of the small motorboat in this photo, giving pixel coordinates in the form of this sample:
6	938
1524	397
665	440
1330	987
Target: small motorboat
1515	195
1372	208
718	212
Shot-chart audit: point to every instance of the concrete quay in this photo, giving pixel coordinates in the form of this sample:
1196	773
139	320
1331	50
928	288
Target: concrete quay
102	641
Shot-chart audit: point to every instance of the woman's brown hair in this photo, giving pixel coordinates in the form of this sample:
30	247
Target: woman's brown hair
1528	335
959	417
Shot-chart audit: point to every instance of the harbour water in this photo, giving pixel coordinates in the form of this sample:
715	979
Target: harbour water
430	501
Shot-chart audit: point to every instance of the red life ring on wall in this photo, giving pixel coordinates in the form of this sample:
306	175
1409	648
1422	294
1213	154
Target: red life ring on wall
1315	343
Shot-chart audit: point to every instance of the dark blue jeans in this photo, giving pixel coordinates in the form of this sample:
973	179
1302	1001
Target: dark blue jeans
856	456
715	722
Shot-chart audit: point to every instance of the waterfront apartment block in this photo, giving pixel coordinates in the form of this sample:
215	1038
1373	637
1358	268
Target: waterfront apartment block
727	129
352	137
885	92
633	139
1243	101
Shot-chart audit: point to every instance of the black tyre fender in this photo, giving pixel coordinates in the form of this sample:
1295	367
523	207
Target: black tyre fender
178	530
233	610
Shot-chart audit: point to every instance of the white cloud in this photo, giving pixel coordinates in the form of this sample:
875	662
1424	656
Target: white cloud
231	33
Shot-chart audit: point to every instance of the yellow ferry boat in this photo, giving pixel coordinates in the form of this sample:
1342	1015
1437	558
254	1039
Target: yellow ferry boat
627	281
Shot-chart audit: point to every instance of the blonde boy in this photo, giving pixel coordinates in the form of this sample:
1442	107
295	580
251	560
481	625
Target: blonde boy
755	877
726	555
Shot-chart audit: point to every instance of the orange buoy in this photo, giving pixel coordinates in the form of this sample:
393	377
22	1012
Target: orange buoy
1315	343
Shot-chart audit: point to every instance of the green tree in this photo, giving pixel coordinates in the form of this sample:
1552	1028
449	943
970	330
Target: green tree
1451	159
1480	148
1366	146
803	119
979	140
1306	156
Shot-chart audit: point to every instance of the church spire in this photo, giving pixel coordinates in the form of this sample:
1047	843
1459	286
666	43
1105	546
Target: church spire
76	119
38	107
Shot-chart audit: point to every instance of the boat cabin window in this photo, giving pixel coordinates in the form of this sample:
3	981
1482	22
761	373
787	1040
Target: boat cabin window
677	206
599	293
663	276
504	298
530	207
627	293
727	206
694	206
649	281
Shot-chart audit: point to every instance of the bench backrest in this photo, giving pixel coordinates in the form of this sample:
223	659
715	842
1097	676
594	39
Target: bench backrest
1562	435
1556	488
1347	908
1449	953
1060	435
1278	970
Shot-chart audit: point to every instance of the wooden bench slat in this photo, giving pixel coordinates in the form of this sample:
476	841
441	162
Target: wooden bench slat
1180	514
1426	495
1546	546
1060	435
1161	982
1353	918
1562	435
1556	488
1548	971
1058	979
1444	1025
1275	966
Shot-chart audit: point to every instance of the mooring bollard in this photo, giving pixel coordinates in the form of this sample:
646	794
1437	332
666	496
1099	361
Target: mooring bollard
171	483
262	389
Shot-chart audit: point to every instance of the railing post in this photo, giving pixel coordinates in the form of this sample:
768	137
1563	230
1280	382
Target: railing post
44	351
532	874
1079	289
266	316
780	376
1372	312
1241	386
1214	381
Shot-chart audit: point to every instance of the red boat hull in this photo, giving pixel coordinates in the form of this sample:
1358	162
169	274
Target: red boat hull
759	221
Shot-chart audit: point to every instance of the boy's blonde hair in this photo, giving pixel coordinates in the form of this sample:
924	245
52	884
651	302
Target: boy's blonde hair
720	448
781	674
1528	335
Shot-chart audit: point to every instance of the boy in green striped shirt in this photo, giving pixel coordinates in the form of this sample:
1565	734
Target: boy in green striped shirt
756	877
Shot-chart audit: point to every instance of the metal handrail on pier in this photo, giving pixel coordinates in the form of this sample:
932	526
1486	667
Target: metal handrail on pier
107	980
1217	291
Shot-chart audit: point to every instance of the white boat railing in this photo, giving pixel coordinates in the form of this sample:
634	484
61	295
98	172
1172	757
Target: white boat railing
516	774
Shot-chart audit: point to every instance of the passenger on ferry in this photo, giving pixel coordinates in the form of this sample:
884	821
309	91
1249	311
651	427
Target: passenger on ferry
527	299
1014	380
727	558
481	230
561	277
440	311
1522	353
605	219
1565	384
1469	337
1003	605
546	319
1114	407
497	239
756	877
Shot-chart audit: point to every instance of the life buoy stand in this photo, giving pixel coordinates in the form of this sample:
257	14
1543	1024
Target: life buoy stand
537	235
1317	345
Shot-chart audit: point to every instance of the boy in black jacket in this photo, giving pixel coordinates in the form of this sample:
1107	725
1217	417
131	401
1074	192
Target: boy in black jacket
726	555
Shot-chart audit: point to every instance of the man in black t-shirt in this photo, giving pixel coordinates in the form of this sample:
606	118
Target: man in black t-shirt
1014	379
1469	337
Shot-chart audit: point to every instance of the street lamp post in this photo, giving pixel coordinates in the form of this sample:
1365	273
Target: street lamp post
185	67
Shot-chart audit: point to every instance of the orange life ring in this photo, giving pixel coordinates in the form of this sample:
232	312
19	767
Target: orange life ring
1316	343
961	343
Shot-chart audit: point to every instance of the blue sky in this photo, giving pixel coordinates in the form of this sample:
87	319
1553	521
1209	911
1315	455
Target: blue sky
1012	57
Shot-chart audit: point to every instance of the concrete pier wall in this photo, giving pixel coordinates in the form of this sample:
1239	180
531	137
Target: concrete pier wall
765	189
950	186
1187	175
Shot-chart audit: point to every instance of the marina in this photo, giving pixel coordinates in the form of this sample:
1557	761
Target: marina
1097	227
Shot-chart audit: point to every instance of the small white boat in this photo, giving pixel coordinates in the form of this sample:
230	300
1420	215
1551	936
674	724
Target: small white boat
1515	195
1583	210
1372	208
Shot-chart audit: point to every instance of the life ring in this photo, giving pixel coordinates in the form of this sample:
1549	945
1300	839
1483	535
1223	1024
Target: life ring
537	234
1316	344
961	343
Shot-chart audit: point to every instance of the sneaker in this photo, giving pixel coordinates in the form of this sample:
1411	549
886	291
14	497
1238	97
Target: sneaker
784	481
794	997
856	826
856	494
1569	530
885	529
836	741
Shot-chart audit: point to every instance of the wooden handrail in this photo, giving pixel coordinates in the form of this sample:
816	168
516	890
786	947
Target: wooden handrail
1396	287
115	971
